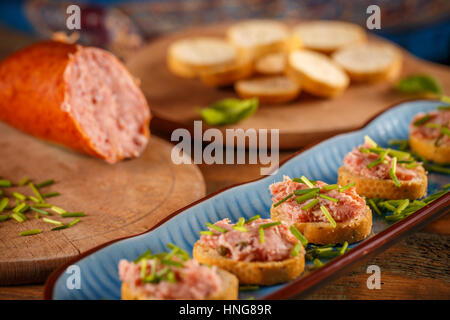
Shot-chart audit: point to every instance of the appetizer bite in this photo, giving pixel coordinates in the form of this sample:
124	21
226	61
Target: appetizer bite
383	173
324	214
271	64
429	135
173	275
258	251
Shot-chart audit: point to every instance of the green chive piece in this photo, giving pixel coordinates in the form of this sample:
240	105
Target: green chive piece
42	205
328	216
207	233
34	199
147	254
447	186
296	249
388	206
343	249
3	204
254	218
64	226
306	196
181	252
35	191
172	263
329	187
310	205
23	182
443	108
72	214
19	218
57	210
433	125
217	228
5	183
30	232
298	235
143	269
374	163
392	172
36	216
402	206
4	217
248	288
368	140
51	194
240	222
21	207
19	196
318	263
437	168
328	198
347	186
374	206
171	277
242	229
282	200
73	222
422	120
48	220
45	183
305	191
270	224
261	235
364	150
307	182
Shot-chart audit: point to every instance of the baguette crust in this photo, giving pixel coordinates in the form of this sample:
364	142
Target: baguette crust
323	233
271	64
385	189
258	273
427	149
229	291
227	75
276	89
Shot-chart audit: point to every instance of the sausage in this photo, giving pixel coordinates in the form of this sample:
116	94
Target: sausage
80	97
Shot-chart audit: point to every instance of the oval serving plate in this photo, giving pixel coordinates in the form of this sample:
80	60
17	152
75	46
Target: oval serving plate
98	268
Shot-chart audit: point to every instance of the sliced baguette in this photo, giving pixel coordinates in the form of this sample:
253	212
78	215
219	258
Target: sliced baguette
385	189
256	38
271	64
228	291
328	36
275	89
370	62
258	273
228	75
323	232
190	57
316	73
427	149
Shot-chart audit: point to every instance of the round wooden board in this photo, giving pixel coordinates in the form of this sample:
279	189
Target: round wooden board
174	100
119	200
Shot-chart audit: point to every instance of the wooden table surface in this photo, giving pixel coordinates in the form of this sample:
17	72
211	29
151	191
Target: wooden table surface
418	267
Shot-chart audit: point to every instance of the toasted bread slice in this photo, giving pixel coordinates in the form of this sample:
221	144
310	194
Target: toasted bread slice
328	36
316	73
275	89
229	74
228	291
370	61
258	273
427	149
271	64
385	189
190	57
323	232
256	38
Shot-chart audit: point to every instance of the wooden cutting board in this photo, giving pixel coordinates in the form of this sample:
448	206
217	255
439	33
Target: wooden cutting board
119	200
174	100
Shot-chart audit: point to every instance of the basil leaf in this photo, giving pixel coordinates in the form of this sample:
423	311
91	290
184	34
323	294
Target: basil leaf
419	84
229	111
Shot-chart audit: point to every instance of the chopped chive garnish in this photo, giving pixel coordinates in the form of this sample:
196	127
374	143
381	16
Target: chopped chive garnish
328	198
207	233
374	163
42	205
298	235
240	222
443	108
347	186
48	220
4	217
57	210
433	125
370	142
217	228
310	205
171	277
5	183
72	214
64	226
392	171
270	224
343	249
318	263
3	204
36	215
34	199
307	182
282	200
143	269
29	232
73	222
21	207
36	192
18	217
19	196
51	194
328	215
23	182
445	131
45	183
248	288
402	206
172	263
147	254
261	235
329	187
388	206
254	218
306	196
364	150
305	191
374	206
242	229
437	168
180	251
296	249
422	120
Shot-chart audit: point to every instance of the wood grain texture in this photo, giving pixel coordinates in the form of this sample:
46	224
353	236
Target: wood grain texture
174	100
119	200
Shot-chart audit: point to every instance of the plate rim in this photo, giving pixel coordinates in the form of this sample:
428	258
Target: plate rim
381	240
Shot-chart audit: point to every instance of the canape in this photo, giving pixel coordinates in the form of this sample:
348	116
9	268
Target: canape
323	213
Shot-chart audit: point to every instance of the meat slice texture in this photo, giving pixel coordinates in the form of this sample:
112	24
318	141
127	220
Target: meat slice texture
80	97
423	131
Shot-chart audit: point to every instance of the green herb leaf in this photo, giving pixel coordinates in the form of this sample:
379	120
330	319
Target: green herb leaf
229	111
419	83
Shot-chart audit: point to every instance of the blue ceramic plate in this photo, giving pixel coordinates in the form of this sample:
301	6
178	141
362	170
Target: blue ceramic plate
99	276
